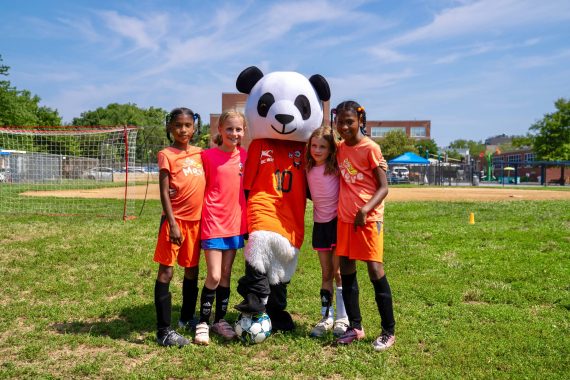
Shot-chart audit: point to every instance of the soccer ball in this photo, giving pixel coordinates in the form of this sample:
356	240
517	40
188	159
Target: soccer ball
253	328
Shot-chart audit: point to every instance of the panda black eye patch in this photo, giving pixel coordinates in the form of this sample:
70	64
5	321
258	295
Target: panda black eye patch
264	103
304	106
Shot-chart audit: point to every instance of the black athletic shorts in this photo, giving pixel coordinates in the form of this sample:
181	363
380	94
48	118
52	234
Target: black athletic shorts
324	235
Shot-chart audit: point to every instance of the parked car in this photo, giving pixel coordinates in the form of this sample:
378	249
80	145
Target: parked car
4	174
401	172
393	178
99	173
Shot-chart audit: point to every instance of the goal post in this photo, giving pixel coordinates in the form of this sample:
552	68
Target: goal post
64	170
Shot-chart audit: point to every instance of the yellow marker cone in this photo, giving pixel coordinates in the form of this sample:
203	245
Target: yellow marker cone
471	218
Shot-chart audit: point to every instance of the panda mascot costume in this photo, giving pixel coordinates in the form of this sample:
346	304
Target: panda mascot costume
282	110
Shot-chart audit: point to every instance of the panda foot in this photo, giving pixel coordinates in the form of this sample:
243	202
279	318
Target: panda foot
281	321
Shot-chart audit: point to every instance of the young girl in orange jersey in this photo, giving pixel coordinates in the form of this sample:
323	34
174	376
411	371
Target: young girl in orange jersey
223	222
363	188
182	183
323	181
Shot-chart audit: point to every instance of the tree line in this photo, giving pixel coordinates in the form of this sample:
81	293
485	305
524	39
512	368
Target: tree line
549	137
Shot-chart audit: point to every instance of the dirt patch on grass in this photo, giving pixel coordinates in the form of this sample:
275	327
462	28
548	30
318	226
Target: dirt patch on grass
396	194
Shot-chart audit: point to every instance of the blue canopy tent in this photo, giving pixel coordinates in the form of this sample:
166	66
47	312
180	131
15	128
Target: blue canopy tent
409	158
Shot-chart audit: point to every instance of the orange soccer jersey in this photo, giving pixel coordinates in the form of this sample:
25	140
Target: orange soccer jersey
187	180
275	177
357	182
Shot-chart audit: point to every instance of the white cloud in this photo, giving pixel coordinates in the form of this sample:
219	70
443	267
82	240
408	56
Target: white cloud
486	16
145	33
388	55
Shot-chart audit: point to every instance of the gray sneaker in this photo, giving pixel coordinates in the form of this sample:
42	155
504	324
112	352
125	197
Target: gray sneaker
340	326
322	327
170	337
384	341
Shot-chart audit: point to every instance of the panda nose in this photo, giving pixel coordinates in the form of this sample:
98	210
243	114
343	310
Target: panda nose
284	119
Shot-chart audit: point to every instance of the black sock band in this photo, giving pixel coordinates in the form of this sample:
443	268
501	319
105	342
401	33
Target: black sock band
206	301
350	294
222	300
189	298
162	304
326	301
383	296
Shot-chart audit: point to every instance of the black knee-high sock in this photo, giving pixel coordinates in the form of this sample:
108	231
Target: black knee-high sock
163	305
189	298
350	296
222	300
326	301
206	301
383	296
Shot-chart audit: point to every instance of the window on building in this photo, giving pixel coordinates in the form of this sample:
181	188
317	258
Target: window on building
529	157
418	132
514	158
382	131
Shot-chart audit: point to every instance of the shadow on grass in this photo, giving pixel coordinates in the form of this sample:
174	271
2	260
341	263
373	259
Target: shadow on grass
134	324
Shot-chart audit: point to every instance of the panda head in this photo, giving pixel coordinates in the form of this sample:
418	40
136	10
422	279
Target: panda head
282	105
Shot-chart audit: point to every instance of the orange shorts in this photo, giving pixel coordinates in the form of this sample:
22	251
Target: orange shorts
187	254
365	244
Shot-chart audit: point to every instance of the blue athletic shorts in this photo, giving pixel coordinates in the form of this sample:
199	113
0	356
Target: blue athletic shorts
232	242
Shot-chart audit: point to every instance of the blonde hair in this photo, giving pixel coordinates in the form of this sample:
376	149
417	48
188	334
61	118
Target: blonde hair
325	132
225	116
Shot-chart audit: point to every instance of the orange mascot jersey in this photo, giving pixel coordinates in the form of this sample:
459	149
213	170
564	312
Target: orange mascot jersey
275	177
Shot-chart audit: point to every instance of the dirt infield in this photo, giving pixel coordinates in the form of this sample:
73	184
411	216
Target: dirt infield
396	194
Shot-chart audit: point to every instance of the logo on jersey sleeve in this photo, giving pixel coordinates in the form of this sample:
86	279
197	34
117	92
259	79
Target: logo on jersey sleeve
191	166
266	156
349	173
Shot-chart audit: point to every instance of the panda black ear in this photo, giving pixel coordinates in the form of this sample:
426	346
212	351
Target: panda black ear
321	85
248	78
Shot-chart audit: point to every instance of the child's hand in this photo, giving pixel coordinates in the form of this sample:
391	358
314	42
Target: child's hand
175	235
359	219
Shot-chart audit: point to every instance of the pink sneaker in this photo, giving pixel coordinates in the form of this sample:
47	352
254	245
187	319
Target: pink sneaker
351	335
224	329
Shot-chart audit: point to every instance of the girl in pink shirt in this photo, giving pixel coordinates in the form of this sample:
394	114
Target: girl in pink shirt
323	181
223	222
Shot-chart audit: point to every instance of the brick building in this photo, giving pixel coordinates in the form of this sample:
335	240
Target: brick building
417	129
527	169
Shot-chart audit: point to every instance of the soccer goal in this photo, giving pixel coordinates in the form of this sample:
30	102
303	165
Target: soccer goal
68	170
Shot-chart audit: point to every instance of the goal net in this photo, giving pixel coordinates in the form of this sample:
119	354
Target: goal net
68	170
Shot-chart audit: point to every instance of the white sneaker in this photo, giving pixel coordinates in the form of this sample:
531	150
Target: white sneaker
202	334
322	327
384	341
340	326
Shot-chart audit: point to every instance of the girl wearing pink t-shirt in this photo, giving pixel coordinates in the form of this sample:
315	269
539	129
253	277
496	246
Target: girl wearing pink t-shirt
323	181
223	223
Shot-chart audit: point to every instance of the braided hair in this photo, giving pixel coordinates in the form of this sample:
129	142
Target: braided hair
184	111
351	105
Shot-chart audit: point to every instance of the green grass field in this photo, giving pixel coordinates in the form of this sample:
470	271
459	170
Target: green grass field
489	300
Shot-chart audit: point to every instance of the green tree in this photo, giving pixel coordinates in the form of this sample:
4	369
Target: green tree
475	147
552	138
424	146
395	143
151	136
21	107
523	141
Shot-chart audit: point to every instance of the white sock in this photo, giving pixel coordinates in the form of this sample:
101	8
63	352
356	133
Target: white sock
324	310
340	310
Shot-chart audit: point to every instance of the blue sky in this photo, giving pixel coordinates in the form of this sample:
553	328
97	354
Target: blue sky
474	68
